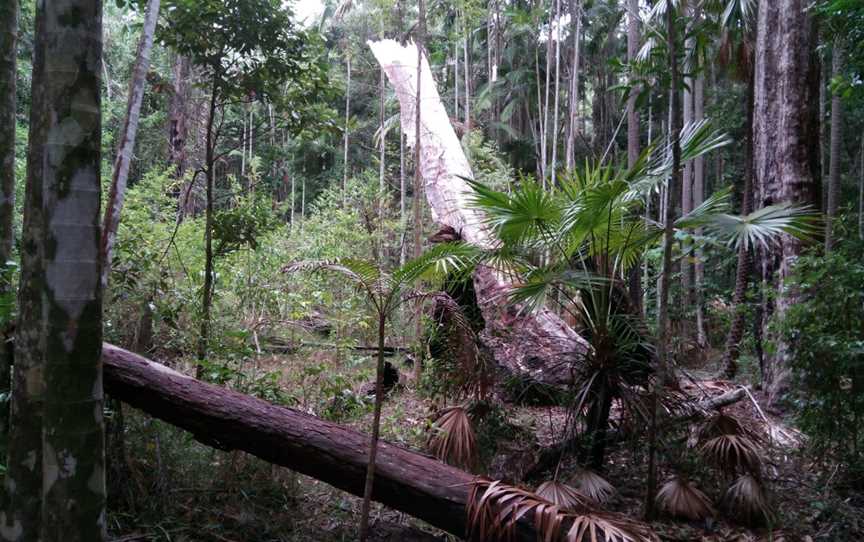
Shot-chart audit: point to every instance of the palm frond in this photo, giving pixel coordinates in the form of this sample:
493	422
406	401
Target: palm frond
364	274
453	260
452	439
593	486
764	226
562	495
747	502
527	213
494	508
733	453
680	498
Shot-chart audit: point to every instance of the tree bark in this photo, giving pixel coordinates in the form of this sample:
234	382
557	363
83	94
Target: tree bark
120	178
536	346
23	481
786	146
742	272
573	92
635	278
376	428
178	132
418	149
836	142
8	74
345	168
56	477
405	480
207	293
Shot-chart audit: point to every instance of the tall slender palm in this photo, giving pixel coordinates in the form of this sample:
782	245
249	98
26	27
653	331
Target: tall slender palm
385	293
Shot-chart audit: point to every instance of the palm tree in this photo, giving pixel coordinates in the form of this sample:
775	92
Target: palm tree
386	292
591	233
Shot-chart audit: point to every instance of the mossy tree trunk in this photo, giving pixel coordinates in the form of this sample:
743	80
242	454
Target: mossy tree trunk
8	42
56	476
73	436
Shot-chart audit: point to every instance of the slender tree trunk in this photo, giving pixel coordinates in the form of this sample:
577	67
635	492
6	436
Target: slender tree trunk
861	194
8	100
668	238
823	131
742	273
21	520
687	181
418	174
573	92
836	142
126	148
207	293
178	132
544	142
554	160
345	168
73	453
382	165
403	200
698	198
785	147
467	68
376	428
635	278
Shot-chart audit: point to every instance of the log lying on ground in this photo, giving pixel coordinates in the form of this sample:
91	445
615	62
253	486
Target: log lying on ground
404	480
537	346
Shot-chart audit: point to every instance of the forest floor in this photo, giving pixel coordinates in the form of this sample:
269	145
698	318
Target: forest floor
180	490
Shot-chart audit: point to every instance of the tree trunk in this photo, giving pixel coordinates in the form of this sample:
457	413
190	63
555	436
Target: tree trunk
698	198
785	146
531	345
345	168
635	279
836	142
573	92
861	194
418	149
663	330
405	480
553	163
8	102
207	293
21	520
120	178
66	281
742	272
178	131
376	428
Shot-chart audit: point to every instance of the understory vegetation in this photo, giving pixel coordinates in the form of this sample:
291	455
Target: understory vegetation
616	295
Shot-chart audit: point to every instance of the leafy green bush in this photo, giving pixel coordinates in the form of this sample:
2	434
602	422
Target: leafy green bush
826	332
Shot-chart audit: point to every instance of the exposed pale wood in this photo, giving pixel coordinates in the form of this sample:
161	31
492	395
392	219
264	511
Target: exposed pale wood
536	346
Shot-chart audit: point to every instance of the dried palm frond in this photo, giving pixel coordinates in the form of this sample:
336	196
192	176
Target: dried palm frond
680	498
453	440
783	536
747	502
725	424
494	509
733	453
593	486
597	528
562	495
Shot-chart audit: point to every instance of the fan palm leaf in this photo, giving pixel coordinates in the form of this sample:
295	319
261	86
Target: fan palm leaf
680	498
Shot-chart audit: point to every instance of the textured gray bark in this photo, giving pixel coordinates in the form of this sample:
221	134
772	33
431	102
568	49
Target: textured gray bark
698	198
178	132
73	432
8	50
836	142
785	145
573	88
23	482
120	178
632	113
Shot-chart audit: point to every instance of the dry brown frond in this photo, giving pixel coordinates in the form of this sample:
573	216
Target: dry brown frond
680	498
733	453
494	509
452	439
563	495
593	486
747	502
725	424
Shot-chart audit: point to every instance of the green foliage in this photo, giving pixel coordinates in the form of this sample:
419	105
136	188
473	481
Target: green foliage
825	329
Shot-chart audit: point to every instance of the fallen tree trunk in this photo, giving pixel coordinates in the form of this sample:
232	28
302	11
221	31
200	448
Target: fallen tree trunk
537	346
404	480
